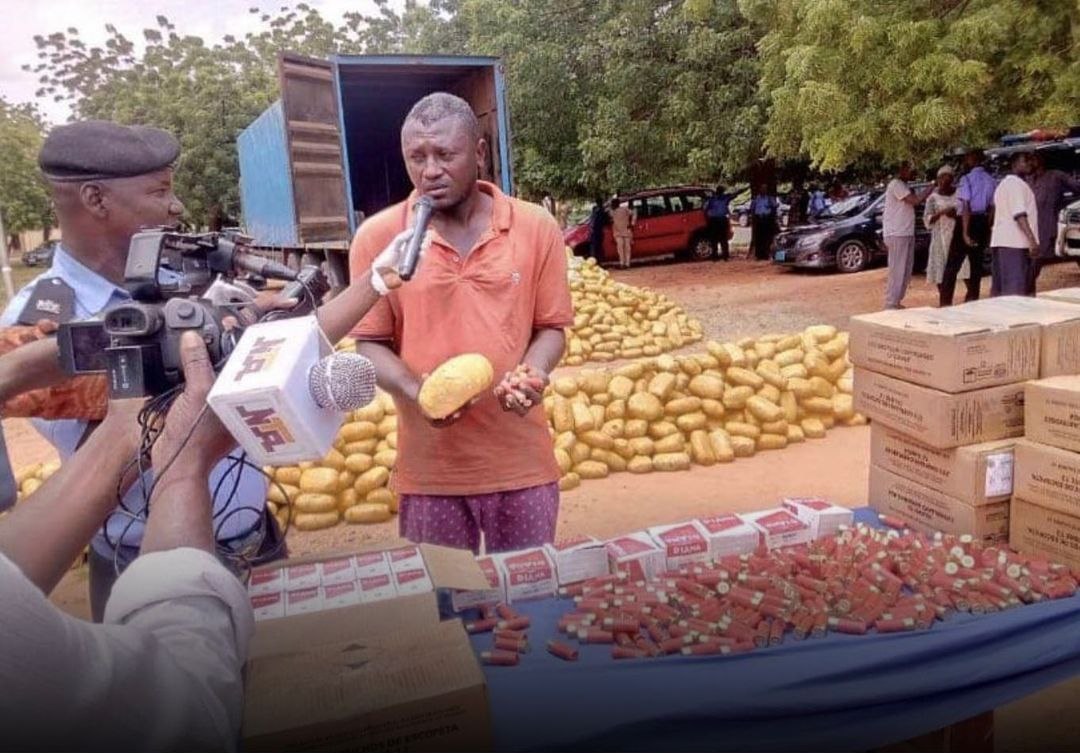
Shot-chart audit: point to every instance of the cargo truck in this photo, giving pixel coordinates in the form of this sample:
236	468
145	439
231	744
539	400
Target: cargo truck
327	154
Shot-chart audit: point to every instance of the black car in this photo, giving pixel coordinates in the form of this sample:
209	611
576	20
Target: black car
847	237
40	256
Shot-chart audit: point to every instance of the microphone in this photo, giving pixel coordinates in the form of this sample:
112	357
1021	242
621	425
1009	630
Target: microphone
342	382
283	394
422	210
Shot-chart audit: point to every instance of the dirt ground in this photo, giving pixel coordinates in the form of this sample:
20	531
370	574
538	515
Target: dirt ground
732	299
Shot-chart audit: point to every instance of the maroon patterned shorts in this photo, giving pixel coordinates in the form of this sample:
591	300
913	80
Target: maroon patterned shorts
509	520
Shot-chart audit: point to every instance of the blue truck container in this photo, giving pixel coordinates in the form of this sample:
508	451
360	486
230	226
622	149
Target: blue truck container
328	153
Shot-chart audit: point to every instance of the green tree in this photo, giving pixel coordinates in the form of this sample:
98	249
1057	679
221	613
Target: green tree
855	81
24	199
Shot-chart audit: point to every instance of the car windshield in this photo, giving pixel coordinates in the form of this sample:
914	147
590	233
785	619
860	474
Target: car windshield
848	207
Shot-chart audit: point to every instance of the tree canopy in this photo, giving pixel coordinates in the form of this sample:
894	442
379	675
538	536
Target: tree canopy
608	95
24	200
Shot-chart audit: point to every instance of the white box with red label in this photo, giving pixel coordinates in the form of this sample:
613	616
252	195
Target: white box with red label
266	582
268	606
635	554
683	543
338	595
376	587
370	563
337	571
729	535
823	517
779	527
409	571
528	574
578	559
303	600
462	600
302	576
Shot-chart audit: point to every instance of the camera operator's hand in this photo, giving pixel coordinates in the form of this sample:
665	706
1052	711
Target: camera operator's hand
384	268
191	428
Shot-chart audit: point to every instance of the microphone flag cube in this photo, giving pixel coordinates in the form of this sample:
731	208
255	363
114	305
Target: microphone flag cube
263	398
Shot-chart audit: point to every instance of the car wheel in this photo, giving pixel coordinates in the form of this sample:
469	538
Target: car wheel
852	256
701	249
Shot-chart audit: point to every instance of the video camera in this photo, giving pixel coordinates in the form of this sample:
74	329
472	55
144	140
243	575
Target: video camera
177	282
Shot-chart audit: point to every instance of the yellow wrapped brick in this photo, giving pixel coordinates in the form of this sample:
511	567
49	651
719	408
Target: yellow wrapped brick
354	431
282	494
386	458
743	447
640	464
690	422
316	521
368	513
669	444
701	451
671	461
308	502
371	479
319	480
591	469
569	481
358	463
287	475
454	383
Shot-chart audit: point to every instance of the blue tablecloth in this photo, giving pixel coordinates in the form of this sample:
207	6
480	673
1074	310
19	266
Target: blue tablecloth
840	692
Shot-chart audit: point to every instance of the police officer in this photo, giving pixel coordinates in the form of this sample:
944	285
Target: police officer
109	181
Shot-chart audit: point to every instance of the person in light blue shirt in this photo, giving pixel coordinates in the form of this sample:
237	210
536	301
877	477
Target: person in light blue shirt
108	182
718	222
975	197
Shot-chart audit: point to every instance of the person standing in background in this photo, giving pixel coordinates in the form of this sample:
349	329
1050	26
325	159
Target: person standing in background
548	203
1014	239
818	203
940	218
598	219
798	205
975	196
1049	187
763	209
622	221
718	222
898	230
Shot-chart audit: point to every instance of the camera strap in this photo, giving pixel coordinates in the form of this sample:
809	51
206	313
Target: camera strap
51	299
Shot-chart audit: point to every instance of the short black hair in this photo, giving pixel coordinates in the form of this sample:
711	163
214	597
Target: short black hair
616	202
441	105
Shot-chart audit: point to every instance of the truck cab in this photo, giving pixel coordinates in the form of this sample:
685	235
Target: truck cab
328	153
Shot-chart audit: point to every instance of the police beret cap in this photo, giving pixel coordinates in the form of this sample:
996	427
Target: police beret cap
100	150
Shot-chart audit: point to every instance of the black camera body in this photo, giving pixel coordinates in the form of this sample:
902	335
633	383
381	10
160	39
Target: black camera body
137	343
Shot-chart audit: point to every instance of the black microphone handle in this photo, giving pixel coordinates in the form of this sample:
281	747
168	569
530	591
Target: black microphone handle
421	217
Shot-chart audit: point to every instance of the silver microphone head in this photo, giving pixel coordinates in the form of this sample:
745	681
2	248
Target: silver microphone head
342	382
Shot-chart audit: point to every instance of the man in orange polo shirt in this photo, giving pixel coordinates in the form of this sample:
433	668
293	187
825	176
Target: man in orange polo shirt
493	282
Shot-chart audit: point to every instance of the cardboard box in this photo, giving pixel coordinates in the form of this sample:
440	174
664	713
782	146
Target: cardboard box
462	600
304	575
937	418
370	563
386	676
528	574
635	554
578	559
729	535
1035	530
1064	295
1048	476
928	510
779	527
1053	412
1059	324
376	587
977	473
823	517
946	349
683	543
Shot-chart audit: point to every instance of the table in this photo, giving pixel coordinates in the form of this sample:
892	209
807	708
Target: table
841	692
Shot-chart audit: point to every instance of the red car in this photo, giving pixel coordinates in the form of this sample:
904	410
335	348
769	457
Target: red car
670	222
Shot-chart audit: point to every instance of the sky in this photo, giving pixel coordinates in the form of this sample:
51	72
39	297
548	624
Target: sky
209	19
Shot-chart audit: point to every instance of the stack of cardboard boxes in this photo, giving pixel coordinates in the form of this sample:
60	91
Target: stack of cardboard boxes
945	391
1046	505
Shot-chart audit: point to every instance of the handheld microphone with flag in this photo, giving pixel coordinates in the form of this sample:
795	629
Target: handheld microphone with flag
422	211
283	393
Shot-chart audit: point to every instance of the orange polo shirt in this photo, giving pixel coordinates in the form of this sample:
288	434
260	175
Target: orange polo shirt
490	301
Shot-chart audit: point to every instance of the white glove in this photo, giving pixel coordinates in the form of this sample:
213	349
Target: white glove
390	257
